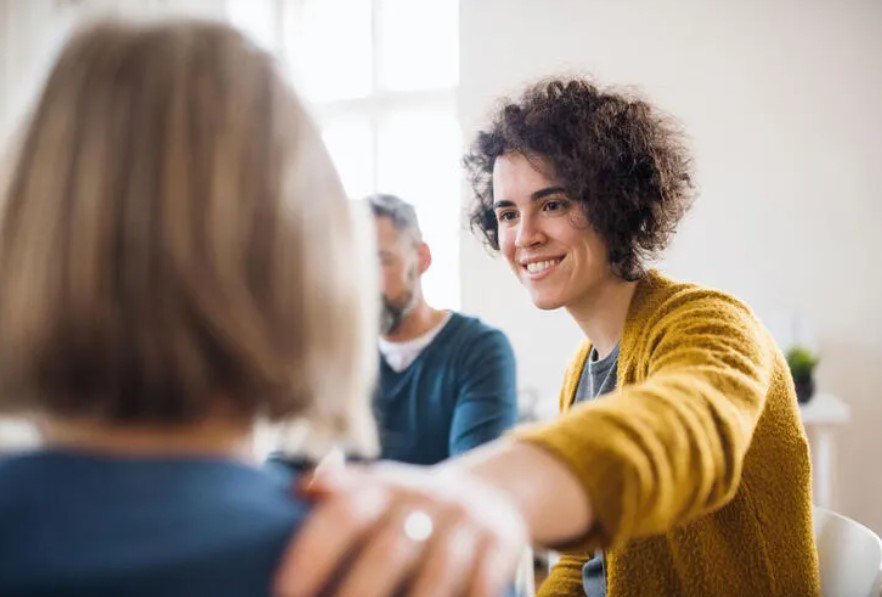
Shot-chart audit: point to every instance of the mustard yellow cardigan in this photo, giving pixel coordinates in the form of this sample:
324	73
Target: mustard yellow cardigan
697	466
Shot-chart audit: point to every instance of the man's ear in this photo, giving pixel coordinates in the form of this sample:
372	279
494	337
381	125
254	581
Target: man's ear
424	257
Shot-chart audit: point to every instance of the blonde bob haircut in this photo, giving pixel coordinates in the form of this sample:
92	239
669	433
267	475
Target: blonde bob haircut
175	241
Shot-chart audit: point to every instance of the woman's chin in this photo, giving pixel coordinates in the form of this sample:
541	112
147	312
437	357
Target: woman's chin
546	303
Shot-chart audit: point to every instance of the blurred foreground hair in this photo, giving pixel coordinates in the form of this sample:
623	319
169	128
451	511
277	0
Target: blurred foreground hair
175	242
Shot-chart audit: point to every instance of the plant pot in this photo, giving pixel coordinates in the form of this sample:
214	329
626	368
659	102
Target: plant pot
805	389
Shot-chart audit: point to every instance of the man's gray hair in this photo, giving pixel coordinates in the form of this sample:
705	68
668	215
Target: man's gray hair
402	213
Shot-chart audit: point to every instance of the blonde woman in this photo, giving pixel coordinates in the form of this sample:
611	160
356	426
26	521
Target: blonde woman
176	263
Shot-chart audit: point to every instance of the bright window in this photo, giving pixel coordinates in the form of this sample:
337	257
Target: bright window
381	77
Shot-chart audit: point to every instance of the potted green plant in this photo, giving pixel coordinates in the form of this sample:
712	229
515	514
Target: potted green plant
802	364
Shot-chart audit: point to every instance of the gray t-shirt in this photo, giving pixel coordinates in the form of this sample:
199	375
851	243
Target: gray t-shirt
598	377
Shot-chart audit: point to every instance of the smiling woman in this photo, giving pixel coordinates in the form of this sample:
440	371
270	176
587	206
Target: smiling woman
680	441
544	235
623	163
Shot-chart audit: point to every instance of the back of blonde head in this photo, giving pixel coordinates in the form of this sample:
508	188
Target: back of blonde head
175	242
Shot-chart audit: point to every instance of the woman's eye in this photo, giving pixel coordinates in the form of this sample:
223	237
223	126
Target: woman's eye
505	216
554	205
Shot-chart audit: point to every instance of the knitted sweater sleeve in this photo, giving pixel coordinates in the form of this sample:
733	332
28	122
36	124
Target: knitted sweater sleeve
670	447
566	576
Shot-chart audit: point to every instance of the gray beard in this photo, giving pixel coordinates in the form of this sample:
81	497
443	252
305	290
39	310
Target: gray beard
391	315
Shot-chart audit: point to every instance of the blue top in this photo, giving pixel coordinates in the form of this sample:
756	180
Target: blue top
459	392
77	524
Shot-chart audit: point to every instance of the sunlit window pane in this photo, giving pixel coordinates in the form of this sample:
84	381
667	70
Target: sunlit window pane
418	159
352	59
350	142
418	44
330	48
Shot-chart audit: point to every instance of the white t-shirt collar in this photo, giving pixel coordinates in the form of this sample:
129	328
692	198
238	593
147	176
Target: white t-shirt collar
400	355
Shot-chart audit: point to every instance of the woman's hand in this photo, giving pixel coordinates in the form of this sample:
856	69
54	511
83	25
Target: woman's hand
403	530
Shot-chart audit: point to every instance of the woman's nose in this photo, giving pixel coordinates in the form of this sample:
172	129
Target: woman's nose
529	234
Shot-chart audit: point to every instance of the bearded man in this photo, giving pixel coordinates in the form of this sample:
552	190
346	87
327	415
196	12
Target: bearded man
447	380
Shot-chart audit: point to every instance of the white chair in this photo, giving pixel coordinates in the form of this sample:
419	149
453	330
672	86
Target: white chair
849	554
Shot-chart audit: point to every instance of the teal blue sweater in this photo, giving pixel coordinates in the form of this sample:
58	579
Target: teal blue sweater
86	525
460	392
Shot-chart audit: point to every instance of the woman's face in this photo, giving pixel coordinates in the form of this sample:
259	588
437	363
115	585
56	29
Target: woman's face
545	236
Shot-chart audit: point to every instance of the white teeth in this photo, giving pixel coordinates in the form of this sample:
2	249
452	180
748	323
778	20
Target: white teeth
539	266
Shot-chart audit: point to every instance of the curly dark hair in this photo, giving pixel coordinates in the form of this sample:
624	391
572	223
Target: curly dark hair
624	162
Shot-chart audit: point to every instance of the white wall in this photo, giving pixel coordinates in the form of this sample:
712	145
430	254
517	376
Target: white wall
782	101
33	31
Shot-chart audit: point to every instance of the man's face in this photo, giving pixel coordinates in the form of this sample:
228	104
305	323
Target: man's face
545	236
399	274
